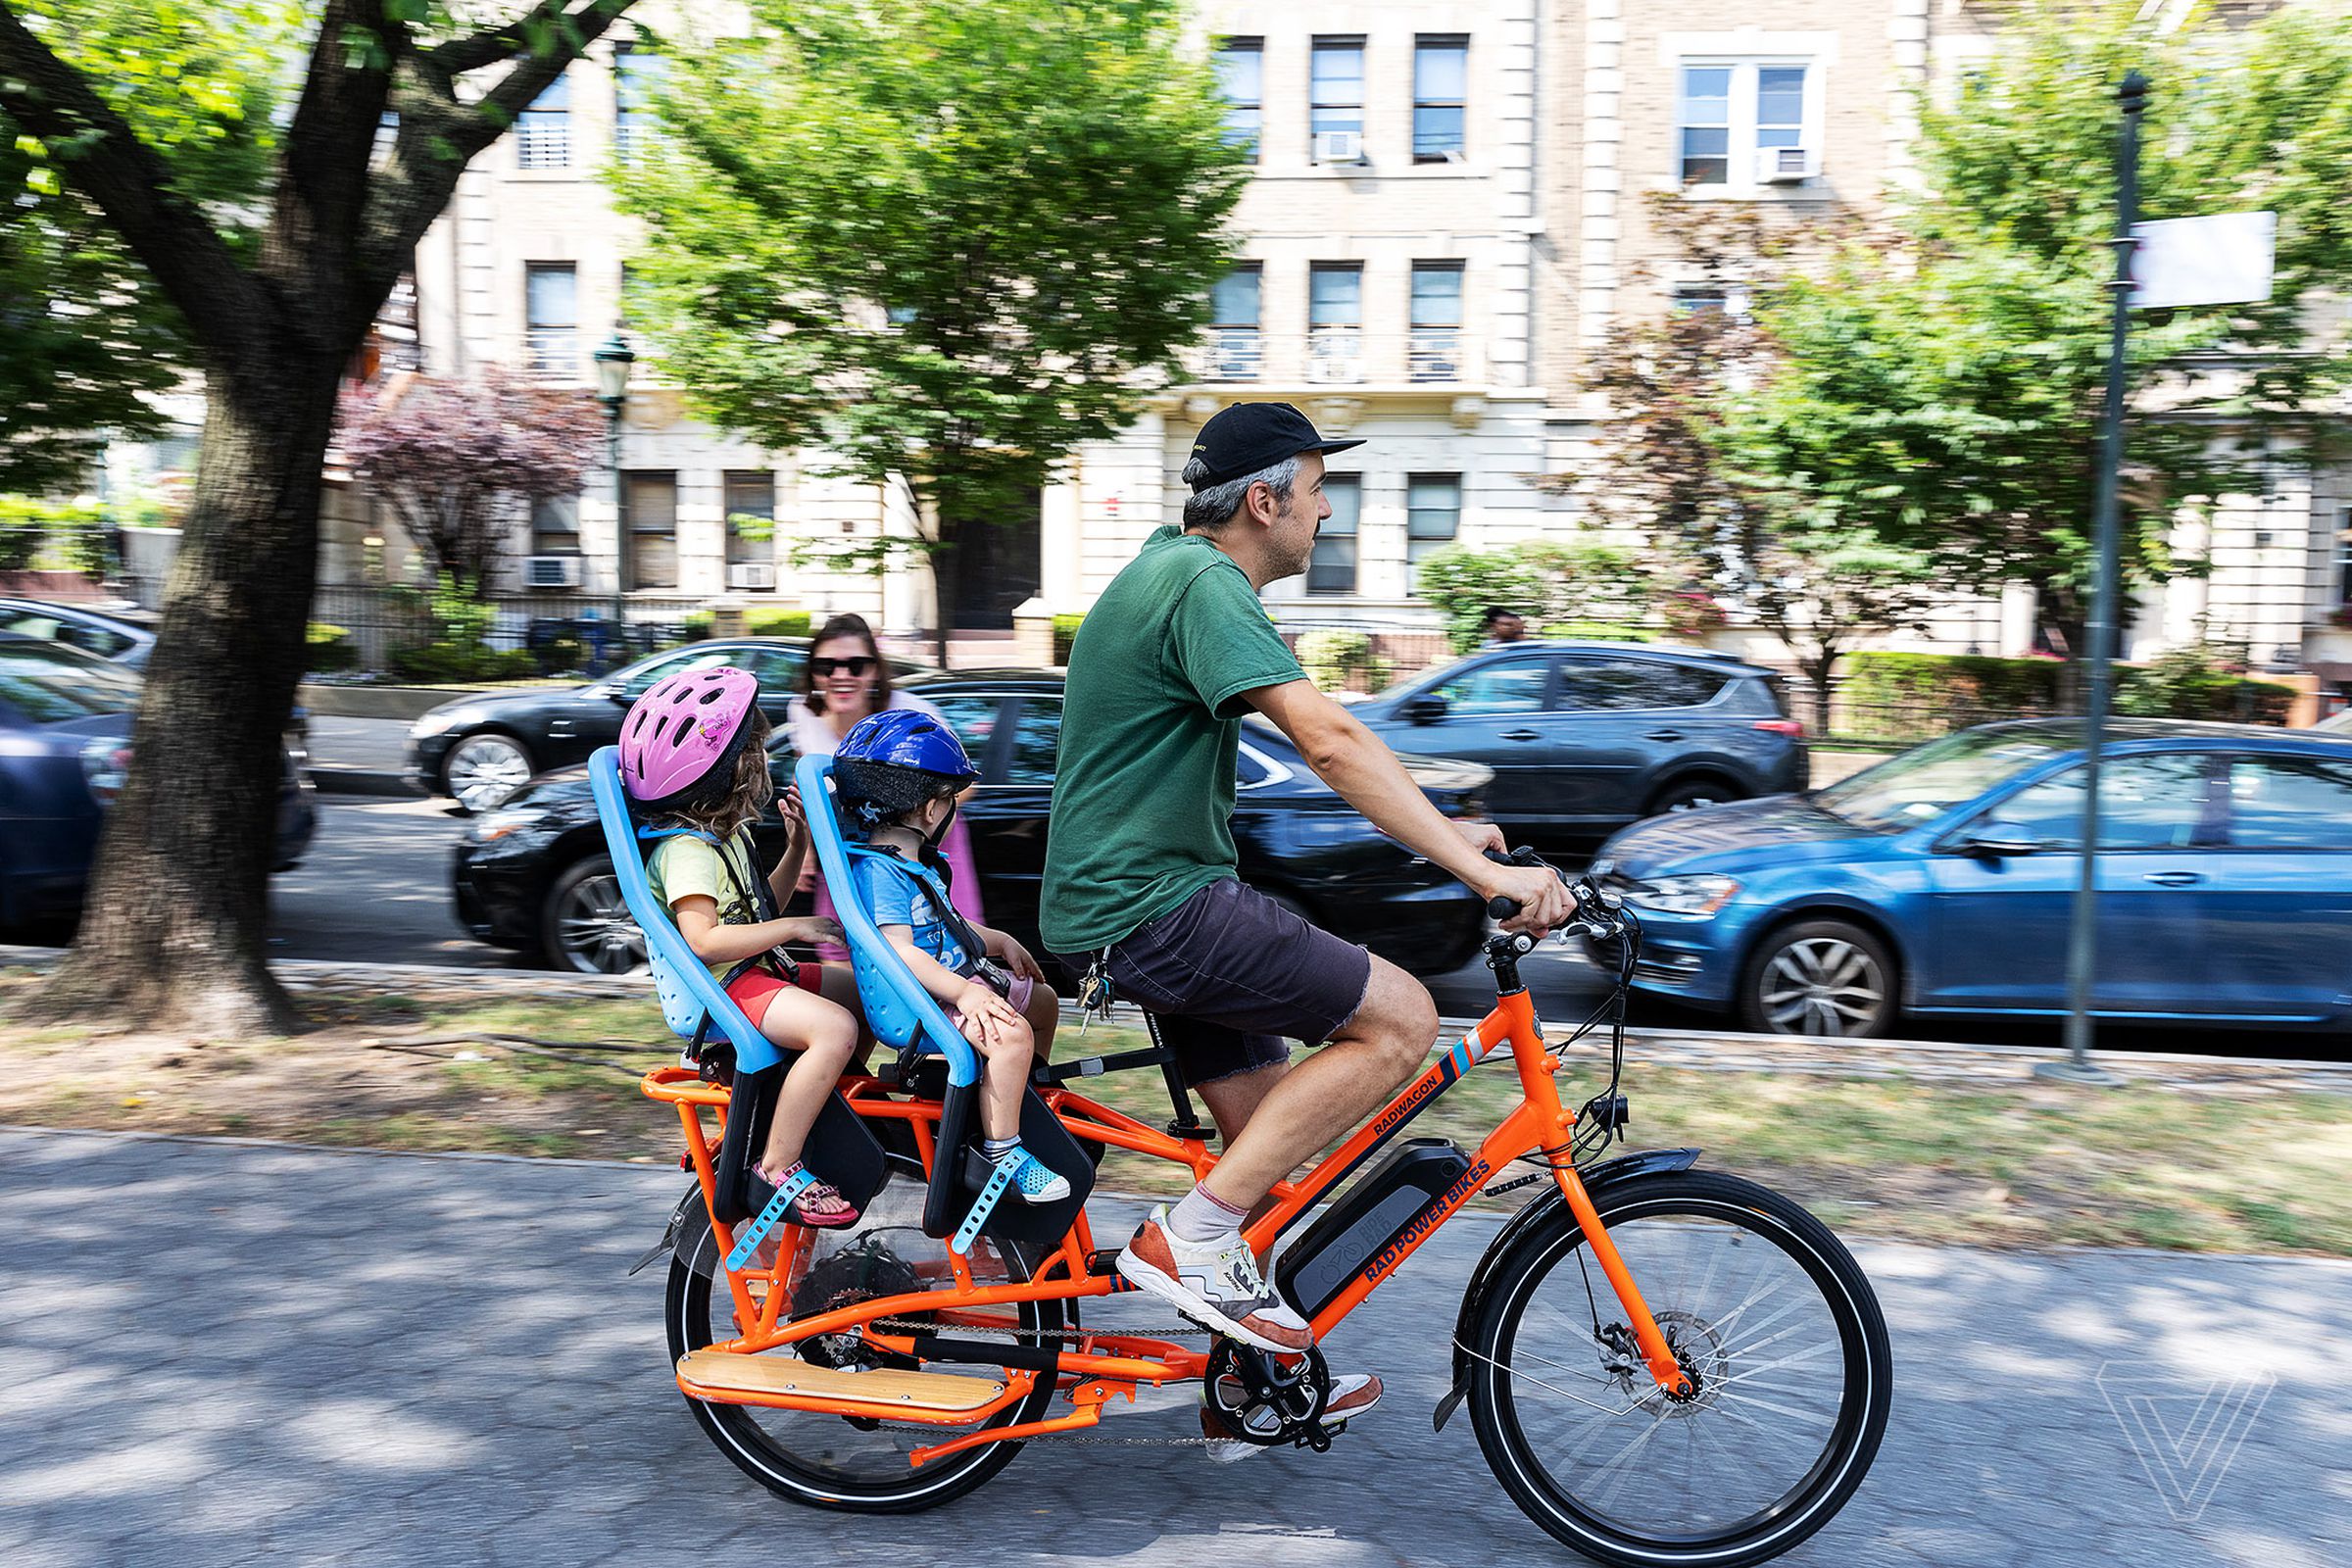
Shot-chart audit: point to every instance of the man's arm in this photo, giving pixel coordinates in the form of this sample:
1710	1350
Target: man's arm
1359	766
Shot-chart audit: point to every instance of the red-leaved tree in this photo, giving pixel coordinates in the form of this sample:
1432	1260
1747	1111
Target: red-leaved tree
456	462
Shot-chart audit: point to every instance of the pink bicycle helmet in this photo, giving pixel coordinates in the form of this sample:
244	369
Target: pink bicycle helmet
682	737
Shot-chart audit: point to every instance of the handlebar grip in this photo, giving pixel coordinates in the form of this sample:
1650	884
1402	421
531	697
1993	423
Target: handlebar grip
1502	908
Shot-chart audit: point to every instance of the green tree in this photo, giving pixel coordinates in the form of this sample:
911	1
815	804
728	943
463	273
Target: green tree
936	240
273	297
1943	390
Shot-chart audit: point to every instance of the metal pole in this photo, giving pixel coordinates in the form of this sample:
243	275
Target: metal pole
620	534
2083	945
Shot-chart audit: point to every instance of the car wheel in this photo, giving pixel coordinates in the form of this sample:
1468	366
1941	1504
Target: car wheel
484	768
1689	794
1820	977
585	925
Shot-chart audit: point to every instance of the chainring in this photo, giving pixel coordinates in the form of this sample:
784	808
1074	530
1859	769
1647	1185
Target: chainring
1256	1398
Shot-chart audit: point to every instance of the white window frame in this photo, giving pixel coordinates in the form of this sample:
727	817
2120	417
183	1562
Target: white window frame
1740	153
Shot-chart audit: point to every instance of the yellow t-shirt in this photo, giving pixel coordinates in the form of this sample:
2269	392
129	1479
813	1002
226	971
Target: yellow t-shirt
683	865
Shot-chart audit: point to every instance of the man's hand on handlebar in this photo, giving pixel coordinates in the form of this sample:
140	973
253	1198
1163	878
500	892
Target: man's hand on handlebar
1542	899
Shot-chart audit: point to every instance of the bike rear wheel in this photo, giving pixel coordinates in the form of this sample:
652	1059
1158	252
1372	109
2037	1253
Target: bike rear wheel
854	1464
1769	1313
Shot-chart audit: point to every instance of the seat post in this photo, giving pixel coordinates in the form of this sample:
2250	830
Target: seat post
1186	1124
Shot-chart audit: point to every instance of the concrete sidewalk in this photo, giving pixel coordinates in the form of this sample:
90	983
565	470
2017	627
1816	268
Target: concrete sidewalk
215	1354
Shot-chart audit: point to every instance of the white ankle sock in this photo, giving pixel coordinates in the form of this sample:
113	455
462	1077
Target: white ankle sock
1199	1217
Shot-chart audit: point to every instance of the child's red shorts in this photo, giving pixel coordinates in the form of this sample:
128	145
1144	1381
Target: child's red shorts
754	989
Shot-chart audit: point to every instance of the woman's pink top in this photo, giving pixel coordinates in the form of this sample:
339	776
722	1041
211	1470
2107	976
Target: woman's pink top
812	736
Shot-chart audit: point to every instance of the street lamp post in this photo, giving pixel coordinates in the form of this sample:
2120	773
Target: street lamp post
612	363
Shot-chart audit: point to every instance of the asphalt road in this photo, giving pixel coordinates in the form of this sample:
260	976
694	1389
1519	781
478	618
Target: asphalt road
213	1354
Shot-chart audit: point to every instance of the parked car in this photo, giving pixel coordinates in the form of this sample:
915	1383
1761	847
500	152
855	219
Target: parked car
478	750
2336	723
122	637
65	745
1943	881
1586	737
533	875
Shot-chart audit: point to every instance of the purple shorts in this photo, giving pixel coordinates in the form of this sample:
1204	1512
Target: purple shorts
1230	975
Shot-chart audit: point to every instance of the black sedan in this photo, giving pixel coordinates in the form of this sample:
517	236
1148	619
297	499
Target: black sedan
125	638
532	873
481	749
1586	737
65	747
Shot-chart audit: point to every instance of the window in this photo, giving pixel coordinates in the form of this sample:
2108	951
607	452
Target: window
1621	685
1735	114
653	531
1236	352
750	495
1036	739
1702	299
1435	349
1506	686
1335	312
637	73
90	639
1441	90
1432	514
972	715
1241	78
2343	555
551	317
2290	803
1332	567
556	525
543	131
2145	803
1336	94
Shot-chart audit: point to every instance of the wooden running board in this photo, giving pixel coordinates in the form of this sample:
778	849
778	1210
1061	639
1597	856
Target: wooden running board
720	1373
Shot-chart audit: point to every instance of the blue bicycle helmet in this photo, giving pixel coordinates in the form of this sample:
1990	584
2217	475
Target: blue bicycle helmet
895	760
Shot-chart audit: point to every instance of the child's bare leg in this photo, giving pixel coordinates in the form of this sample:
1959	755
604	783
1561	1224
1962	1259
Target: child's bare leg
1044	1014
837	983
1003	1081
827	1034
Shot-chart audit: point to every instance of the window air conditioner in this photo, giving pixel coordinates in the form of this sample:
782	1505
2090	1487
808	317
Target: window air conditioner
551	571
1786	165
1339	146
752	574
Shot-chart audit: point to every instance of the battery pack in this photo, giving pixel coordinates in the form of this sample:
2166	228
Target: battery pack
1367	1218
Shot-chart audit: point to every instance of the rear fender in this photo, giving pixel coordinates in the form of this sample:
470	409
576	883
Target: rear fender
1597	1180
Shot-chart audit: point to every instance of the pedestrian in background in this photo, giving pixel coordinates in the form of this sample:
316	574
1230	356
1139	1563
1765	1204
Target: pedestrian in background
1501	625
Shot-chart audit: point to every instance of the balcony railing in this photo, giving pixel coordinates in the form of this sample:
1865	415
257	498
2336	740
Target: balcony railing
1234	354
552	352
1434	354
1334	354
1338	356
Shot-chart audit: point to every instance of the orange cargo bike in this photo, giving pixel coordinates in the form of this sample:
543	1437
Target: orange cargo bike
1663	1365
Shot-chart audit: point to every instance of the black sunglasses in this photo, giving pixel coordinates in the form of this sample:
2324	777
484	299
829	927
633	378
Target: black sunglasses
856	665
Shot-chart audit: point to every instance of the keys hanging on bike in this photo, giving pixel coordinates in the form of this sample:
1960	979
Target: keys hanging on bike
1095	993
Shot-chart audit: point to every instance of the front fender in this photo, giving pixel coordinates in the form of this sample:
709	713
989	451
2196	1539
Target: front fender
1597	1180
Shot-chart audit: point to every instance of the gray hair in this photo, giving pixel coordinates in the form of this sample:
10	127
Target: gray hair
1211	509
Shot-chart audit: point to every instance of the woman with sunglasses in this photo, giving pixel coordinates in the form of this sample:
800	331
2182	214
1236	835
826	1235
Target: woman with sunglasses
847	682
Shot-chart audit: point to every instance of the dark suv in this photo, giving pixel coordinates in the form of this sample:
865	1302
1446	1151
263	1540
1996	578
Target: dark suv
1587	736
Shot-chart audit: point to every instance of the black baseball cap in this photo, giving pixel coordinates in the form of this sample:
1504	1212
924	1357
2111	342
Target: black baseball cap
1251	436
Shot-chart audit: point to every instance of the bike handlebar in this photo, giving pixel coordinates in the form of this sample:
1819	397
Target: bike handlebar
1597	916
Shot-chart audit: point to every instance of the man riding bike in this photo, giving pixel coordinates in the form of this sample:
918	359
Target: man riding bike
1141	885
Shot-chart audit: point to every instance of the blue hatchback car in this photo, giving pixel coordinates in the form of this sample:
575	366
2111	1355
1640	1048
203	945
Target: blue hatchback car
1941	881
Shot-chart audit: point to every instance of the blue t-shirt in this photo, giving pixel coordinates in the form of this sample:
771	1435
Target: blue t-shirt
894	895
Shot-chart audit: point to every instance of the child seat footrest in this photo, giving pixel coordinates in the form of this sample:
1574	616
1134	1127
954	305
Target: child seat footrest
748	1240
719	1373
1000	1181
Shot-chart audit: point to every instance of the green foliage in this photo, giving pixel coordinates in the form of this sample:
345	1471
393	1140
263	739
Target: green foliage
42	535
778	622
933	239
329	649
697	626
2200	681
1066	632
2021	686
1583	582
1336	660
446	660
2197	681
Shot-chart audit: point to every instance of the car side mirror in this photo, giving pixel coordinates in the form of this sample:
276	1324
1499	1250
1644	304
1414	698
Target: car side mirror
1426	708
1995	841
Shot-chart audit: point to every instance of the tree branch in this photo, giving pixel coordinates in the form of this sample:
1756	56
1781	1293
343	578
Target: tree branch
496	43
131	184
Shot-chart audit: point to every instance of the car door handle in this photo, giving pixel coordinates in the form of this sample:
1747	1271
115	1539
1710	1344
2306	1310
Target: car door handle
1522	735
1663	735
2173	879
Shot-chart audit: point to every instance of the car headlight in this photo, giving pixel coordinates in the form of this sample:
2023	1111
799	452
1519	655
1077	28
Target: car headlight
494	826
1682	895
441	721
105	764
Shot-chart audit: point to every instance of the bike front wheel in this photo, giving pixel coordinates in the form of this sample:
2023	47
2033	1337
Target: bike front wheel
1768	1313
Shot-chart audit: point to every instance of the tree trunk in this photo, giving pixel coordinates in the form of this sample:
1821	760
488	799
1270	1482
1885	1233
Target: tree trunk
1817	676
943	592
175	930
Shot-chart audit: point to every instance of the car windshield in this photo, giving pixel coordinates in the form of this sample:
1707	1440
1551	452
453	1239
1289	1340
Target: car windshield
1922	784
47	683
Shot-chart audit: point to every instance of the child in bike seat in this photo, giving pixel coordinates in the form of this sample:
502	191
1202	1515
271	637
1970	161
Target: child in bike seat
898	775
694	762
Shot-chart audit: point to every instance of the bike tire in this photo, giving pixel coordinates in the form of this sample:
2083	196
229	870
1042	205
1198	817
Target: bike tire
789	1469
1864	1393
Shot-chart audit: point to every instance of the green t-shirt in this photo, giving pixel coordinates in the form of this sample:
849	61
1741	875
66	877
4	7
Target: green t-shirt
1150	730
683	865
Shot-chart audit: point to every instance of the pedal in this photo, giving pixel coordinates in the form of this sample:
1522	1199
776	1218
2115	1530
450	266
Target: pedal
1103	1260
725	1377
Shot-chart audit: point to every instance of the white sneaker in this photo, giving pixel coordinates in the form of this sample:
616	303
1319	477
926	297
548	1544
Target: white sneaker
1216	1285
